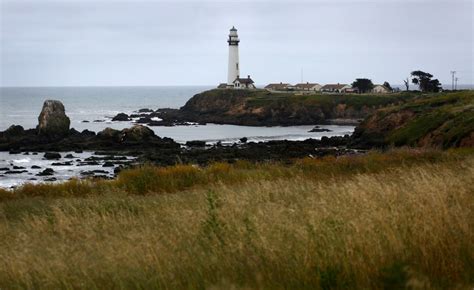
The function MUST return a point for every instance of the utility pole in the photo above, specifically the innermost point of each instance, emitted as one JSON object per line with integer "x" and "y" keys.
{"x": 301, "y": 75}
{"x": 453, "y": 72}
{"x": 456, "y": 83}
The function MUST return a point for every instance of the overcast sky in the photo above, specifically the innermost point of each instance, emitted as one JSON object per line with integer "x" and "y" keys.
{"x": 104, "y": 42}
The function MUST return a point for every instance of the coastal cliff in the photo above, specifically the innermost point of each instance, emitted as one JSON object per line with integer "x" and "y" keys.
{"x": 439, "y": 120}
{"x": 263, "y": 108}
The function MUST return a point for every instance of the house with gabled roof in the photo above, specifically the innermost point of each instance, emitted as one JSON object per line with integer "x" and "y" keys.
{"x": 244, "y": 83}
{"x": 308, "y": 87}
{"x": 380, "y": 89}
{"x": 335, "y": 88}
{"x": 278, "y": 86}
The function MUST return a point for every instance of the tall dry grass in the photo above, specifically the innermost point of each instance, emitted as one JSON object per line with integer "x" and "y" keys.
{"x": 408, "y": 225}
{"x": 152, "y": 180}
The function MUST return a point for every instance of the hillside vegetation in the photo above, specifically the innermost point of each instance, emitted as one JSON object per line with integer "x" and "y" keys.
{"x": 260, "y": 107}
{"x": 391, "y": 220}
{"x": 438, "y": 120}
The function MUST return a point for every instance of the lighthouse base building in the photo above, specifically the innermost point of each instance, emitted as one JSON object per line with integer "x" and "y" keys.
{"x": 234, "y": 81}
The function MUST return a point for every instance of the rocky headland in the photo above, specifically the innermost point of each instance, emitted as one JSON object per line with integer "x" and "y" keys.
{"x": 263, "y": 108}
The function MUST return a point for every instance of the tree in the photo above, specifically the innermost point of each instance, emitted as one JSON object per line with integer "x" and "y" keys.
{"x": 363, "y": 85}
{"x": 407, "y": 84}
{"x": 424, "y": 82}
{"x": 388, "y": 86}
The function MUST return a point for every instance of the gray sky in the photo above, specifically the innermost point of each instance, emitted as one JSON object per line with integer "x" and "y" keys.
{"x": 67, "y": 43}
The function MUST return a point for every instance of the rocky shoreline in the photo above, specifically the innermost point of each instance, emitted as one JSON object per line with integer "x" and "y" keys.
{"x": 114, "y": 149}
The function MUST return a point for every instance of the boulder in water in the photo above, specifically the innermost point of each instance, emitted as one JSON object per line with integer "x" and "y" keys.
{"x": 136, "y": 133}
{"x": 53, "y": 122}
{"x": 52, "y": 155}
{"x": 318, "y": 129}
{"x": 46, "y": 172}
{"x": 121, "y": 117}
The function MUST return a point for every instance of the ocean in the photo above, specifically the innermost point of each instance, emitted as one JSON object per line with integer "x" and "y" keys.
{"x": 21, "y": 106}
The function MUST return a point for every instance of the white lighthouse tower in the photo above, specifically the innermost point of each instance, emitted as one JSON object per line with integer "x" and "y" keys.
{"x": 233, "y": 71}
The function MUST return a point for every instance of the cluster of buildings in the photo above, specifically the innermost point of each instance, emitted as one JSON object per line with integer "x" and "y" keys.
{"x": 234, "y": 81}
{"x": 329, "y": 88}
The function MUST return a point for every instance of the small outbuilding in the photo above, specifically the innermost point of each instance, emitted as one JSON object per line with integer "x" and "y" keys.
{"x": 244, "y": 83}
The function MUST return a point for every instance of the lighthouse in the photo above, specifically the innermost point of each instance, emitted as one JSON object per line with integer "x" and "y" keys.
{"x": 233, "y": 70}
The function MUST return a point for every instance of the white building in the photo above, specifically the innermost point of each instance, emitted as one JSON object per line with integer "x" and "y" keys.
{"x": 233, "y": 69}
{"x": 335, "y": 88}
{"x": 308, "y": 87}
{"x": 278, "y": 86}
{"x": 244, "y": 83}
{"x": 381, "y": 89}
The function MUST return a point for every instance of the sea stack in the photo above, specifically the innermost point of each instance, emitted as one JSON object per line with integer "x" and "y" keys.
{"x": 53, "y": 122}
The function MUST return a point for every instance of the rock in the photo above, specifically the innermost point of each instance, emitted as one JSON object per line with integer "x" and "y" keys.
{"x": 94, "y": 172}
{"x": 108, "y": 133}
{"x": 46, "y": 172}
{"x": 14, "y": 131}
{"x": 4, "y": 168}
{"x": 121, "y": 117}
{"x": 67, "y": 163}
{"x": 196, "y": 143}
{"x": 87, "y": 163}
{"x": 18, "y": 167}
{"x": 244, "y": 140}
{"x": 144, "y": 120}
{"x": 145, "y": 111}
{"x": 50, "y": 179}
{"x": 53, "y": 122}
{"x": 35, "y": 167}
{"x": 69, "y": 156}
{"x": 108, "y": 164}
{"x": 74, "y": 132}
{"x": 87, "y": 133}
{"x": 99, "y": 121}
{"x": 85, "y": 121}
{"x": 15, "y": 171}
{"x": 52, "y": 155}
{"x": 318, "y": 129}
{"x": 137, "y": 133}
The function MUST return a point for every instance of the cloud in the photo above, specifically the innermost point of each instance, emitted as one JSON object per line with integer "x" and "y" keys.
{"x": 184, "y": 42}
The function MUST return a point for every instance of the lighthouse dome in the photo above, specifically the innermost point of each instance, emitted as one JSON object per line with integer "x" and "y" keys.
{"x": 233, "y": 32}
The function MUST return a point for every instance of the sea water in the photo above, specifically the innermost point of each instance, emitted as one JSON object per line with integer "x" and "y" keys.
{"x": 97, "y": 106}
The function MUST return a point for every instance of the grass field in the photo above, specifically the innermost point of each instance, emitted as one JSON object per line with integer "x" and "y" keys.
{"x": 391, "y": 220}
